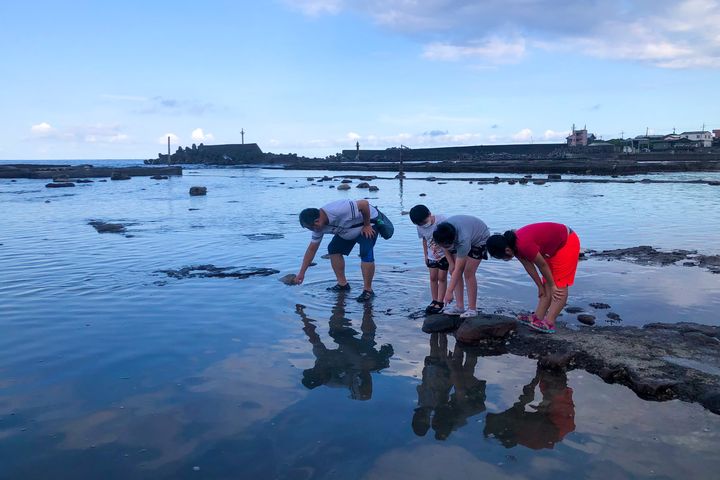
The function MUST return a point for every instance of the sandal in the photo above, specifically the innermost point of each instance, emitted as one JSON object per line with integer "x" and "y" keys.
{"x": 542, "y": 326}
{"x": 527, "y": 318}
{"x": 434, "y": 307}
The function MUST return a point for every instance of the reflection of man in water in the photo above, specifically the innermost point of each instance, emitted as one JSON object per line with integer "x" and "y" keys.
{"x": 443, "y": 372}
{"x": 542, "y": 428}
{"x": 351, "y": 363}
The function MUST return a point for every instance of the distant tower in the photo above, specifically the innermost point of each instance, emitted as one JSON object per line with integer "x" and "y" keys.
{"x": 242, "y": 134}
{"x": 357, "y": 149}
{"x": 168, "y": 149}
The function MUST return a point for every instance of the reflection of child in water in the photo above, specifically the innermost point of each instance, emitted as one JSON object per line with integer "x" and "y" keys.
{"x": 443, "y": 371}
{"x": 351, "y": 363}
{"x": 551, "y": 421}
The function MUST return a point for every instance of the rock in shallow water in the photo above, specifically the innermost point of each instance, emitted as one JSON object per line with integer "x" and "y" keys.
{"x": 60, "y": 185}
{"x": 485, "y": 327}
{"x": 289, "y": 279}
{"x": 198, "y": 191}
{"x": 586, "y": 319}
{"x": 211, "y": 271}
{"x": 573, "y": 309}
{"x": 103, "y": 227}
{"x": 441, "y": 323}
{"x": 343, "y": 186}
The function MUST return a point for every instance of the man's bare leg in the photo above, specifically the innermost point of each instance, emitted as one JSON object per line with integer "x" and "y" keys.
{"x": 368, "y": 272}
{"x": 338, "y": 265}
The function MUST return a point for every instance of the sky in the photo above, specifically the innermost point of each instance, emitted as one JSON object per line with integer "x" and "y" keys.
{"x": 112, "y": 80}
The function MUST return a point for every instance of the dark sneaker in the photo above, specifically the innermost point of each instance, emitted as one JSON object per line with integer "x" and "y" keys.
{"x": 365, "y": 296}
{"x": 339, "y": 288}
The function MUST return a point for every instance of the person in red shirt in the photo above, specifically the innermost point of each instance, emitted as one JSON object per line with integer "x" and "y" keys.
{"x": 553, "y": 250}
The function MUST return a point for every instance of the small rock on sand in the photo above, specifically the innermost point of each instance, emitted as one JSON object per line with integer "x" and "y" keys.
{"x": 198, "y": 191}
{"x": 343, "y": 186}
{"x": 362, "y": 185}
{"x": 586, "y": 319}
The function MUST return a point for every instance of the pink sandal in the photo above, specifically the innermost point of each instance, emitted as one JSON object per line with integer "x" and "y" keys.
{"x": 527, "y": 318}
{"x": 541, "y": 326}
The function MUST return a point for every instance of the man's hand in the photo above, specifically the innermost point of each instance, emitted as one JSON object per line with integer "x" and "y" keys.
{"x": 368, "y": 231}
{"x": 299, "y": 278}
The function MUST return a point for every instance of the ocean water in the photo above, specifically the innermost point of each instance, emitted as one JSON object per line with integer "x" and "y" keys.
{"x": 109, "y": 368}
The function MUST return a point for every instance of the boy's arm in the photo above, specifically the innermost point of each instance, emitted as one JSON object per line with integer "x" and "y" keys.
{"x": 455, "y": 277}
{"x": 425, "y": 250}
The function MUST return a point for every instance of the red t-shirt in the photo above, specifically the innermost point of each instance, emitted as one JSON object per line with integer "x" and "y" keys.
{"x": 545, "y": 238}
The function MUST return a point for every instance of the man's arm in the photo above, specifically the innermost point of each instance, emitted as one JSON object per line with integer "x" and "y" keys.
{"x": 307, "y": 260}
{"x": 364, "y": 208}
{"x": 455, "y": 276}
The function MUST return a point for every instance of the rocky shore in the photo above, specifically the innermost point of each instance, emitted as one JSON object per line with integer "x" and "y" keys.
{"x": 658, "y": 362}
{"x": 65, "y": 173}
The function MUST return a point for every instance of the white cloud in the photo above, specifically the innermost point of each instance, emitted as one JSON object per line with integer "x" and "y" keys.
{"x": 42, "y": 129}
{"x": 662, "y": 33}
{"x": 524, "y": 135}
{"x": 199, "y": 136}
{"x": 494, "y": 50}
{"x": 174, "y": 139}
{"x": 352, "y": 136}
{"x": 552, "y": 135}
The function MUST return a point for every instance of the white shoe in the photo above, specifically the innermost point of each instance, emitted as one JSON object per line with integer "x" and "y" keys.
{"x": 452, "y": 310}
{"x": 469, "y": 313}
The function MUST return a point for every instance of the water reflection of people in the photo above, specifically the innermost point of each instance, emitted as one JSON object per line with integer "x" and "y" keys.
{"x": 445, "y": 372}
{"x": 547, "y": 424}
{"x": 351, "y": 363}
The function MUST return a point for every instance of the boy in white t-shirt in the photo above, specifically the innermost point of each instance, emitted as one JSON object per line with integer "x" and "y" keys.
{"x": 435, "y": 258}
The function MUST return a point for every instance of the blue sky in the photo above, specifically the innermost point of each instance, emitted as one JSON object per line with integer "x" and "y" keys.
{"x": 94, "y": 80}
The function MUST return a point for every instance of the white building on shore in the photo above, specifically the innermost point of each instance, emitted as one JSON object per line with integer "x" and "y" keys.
{"x": 703, "y": 139}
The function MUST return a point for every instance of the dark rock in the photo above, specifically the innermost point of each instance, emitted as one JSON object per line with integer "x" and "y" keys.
{"x": 485, "y": 327}
{"x": 600, "y": 305}
{"x": 332, "y": 186}
{"x": 346, "y": 180}
{"x": 423, "y": 194}
{"x": 441, "y": 323}
{"x": 527, "y": 176}
{"x": 557, "y": 360}
{"x": 211, "y": 271}
{"x": 343, "y": 186}
{"x": 614, "y": 316}
{"x": 538, "y": 182}
{"x": 103, "y": 180}
{"x": 103, "y": 227}
{"x": 198, "y": 191}
{"x": 264, "y": 236}
{"x": 404, "y": 212}
{"x": 310, "y": 179}
{"x": 362, "y": 185}
{"x": 431, "y": 179}
{"x": 326, "y": 178}
{"x": 192, "y": 209}
{"x": 119, "y": 176}
{"x": 367, "y": 178}
{"x": 511, "y": 182}
{"x": 160, "y": 177}
{"x": 554, "y": 176}
{"x": 586, "y": 319}
{"x": 573, "y": 309}
{"x": 60, "y": 185}
{"x": 84, "y": 180}
{"x": 714, "y": 183}
{"x": 373, "y": 188}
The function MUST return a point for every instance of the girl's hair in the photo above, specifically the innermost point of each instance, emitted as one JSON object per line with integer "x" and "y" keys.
{"x": 444, "y": 234}
{"x": 497, "y": 244}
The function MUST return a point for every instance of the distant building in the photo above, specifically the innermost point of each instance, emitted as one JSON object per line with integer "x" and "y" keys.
{"x": 703, "y": 139}
{"x": 579, "y": 138}
{"x": 716, "y": 134}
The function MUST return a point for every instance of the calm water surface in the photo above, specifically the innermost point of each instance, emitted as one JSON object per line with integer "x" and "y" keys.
{"x": 109, "y": 369}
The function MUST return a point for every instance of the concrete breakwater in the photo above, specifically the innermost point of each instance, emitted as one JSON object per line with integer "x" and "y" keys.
{"x": 21, "y": 170}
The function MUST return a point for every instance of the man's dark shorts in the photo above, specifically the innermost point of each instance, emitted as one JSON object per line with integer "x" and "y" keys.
{"x": 478, "y": 253}
{"x": 344, "y": 247}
